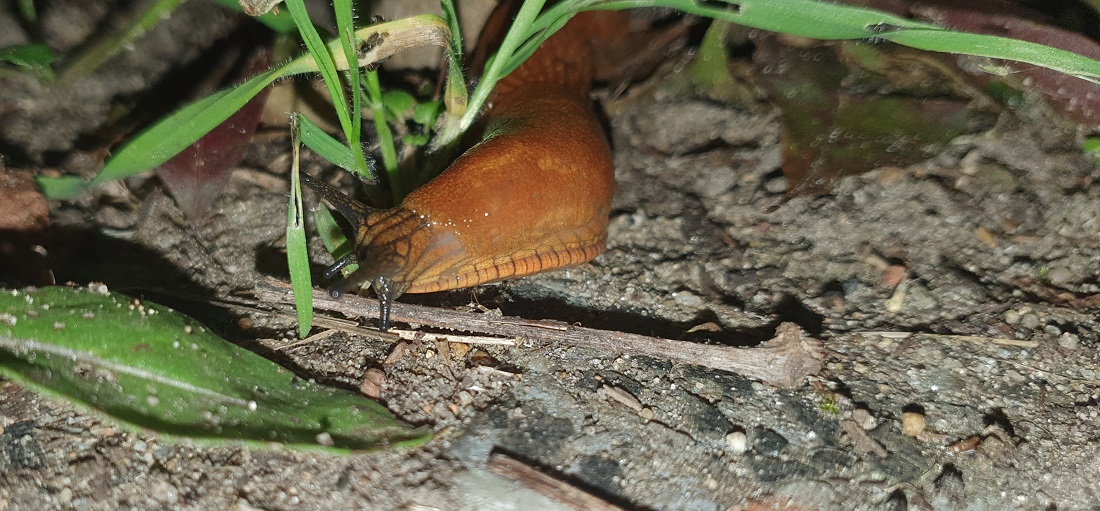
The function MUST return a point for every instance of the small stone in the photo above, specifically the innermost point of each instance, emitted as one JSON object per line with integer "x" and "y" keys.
{"x": 1012, "y": 317}
{"x": 893, "y": 275}
{"x": 164, "y": 492}
{"x": 776, "y": 186}
{"x": 913, "y": 423}
{"x": 1029, "y": 321}
{"x": 647, "y": 413}
{"x": 1068, "y": 340}
{"x": 687, "y": 299}
{"x": 371, "y": 386}
{"x": 1060, "y": 275}
{"x": 863, "y": 417}
{"x": 737, "y": 443}
{"x": 992, "y": 445}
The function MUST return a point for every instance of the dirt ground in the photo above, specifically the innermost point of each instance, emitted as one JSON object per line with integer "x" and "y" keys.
{"x": 955, "y": 299}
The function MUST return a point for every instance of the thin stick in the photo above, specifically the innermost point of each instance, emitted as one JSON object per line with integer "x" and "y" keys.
{"x": 784, "y": 361}
{"x": 555, "y": 489}
{"x": 947, "y": 337}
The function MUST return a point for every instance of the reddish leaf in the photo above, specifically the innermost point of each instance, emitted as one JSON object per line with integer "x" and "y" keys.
{"x": 851, "y": 107}
{"x": 1076, "y": 97}
{"x": 197, "y": 175}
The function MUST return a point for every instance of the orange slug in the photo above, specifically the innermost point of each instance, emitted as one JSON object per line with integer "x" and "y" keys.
{"x": 532, "y": 195}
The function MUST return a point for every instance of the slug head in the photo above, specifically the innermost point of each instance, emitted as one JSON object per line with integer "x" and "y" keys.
{"x": 356, "y": 213}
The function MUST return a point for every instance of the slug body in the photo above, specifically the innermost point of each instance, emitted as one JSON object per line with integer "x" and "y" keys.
{"x": 532, "y": 195}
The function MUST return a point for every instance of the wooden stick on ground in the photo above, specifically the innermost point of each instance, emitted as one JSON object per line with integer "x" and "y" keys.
{"x": 783, "y": 361}
{"x": 551, "y": 487}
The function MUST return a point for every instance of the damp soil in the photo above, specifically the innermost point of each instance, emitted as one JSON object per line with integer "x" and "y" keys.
{"x": 955, "y": 298}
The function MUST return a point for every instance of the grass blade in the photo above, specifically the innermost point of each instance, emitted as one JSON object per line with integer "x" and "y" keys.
{"x": 297, "y": 251}
{"x": 324, "y": 145}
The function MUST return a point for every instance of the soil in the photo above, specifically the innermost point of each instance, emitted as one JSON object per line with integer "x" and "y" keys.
{"x": 956, "y": 299}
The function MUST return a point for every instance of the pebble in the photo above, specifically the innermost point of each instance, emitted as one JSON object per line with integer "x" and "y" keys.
{"x": 687, "y": 299}
{"x": 863, "y": 417}
{"x": 1060, "y": 275}
{"x": 1068, "y": 340}
{"x": 913, "y": 423}
{"x": 1029, "y": 321}
{"x": 164, "y": 492}
{"x": 737, "y": 443}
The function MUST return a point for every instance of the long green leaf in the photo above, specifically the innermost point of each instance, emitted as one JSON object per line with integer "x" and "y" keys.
{"x": 998, "y": 48}
{"x": 175, "y": 132}
{"x": 297, "y": 251}
{"x": 323, "y": 57}
{"x": 324, "y": 145}
{"x": 152, "y": 368}
{"x": 806, "y": 18}
{"x": 167, "y": 138}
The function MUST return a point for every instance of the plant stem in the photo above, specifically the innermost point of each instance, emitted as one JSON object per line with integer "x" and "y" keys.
{"x": 385, "y": 135}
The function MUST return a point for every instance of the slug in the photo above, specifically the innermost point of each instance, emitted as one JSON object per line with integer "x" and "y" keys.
{"x": 533, "y": 194}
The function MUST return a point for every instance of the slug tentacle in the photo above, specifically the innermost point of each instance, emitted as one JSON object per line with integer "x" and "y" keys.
{"x": 332, "y": 271}
{"x": 353, "y": 211}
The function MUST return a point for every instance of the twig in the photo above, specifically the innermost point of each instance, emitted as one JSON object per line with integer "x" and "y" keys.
{"x": 555, "y": 489}
{"x": 946, "y": 337}
{"x": 466, "y": 339}
{"x": 784, "y": 361}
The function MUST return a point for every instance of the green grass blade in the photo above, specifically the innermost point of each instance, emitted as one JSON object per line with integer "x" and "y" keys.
{"x": 454, "y": 94}
{"x": 151, "y": 368}
{"x": 806, "y": 18}
{"x": 345, "y": 27}
{"x": 61, "y": 187}
{"x": 998, "y": 48}
{"x": 172, "y": 134}
{"x": 385, "y": 135}
{"x": 323, "y": 58}
{"x": 516, "y": 36}
{"x": 37, "y": 57}
{"x": 823, "y": 20}
{"x": 177, "y": 131}
{"x": 167, "y": 138}
{"x": 297, "y": 250}
{"x": 324, "y": 145}
{"x": 333, "y": 239}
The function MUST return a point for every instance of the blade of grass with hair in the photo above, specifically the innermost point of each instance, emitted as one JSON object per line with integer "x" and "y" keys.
{"x": 297, "y": 250}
